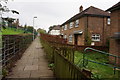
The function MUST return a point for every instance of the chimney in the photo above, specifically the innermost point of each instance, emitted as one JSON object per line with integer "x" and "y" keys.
{"x": 81, "y": 9}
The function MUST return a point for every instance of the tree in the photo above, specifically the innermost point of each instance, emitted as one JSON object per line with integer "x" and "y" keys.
{"x": 30, "y": 29}
{"x": 51, "y": 27}
{"x": 41, "y": 30}
{"x": 4, "y": 8}
{"x": 13, "y": 11}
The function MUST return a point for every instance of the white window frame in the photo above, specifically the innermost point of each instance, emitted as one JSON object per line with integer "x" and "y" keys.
{"x": 95, "y": 37}
{"x": 70, "y": 38}
{"x": 65, "y": 27}
{"x": 108, "y": 21}
{"x": 71, "y": 25}
{"x": 77, "y": 23}
{"x": 65, "y": 36}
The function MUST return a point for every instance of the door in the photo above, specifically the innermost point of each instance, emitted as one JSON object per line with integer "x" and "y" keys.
{"x": 76, "y": 40}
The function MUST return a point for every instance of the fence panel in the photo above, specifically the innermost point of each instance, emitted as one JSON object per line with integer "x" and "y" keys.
{"x": 63, "y": 58}
{"x": 65, "y": 69}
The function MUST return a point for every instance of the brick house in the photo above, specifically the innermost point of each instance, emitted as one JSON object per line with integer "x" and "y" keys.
{"x": 88, "y": 27}
{"x": 115, "y": 31}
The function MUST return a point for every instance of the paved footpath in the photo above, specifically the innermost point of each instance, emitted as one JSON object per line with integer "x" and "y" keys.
{"x": 32, "y": 64}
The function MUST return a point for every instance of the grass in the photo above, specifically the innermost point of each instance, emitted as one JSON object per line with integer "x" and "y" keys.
{"x": 98, "y": 70}
{"x": 11, "y": 31}
{"x": 0, "y": 40}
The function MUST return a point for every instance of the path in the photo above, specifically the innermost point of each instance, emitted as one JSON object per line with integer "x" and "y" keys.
{"x": 33, "y": 64}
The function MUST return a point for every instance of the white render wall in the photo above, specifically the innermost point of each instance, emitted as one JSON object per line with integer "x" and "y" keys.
{"x": 55, "y": 32}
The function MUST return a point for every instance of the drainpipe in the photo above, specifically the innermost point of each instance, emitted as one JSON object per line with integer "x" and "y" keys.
{"x": 103, "y": 33}
{"x": 86, "y": 32}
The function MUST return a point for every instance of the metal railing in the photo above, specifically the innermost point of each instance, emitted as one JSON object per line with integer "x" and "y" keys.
{"x": 12, "y": 48}
{"x": 85, "y": 61}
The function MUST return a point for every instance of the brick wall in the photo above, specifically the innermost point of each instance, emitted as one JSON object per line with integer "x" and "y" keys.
{"x": 70, "y": 31}
{"x": 115, "y": 27}
{"x": 96, "y": 25}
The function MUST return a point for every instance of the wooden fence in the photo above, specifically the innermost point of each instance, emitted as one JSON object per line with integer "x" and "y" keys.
{"x": 12, "y": 48}
{"x": 63, "y": 58}
{"x": 66, "y": 69}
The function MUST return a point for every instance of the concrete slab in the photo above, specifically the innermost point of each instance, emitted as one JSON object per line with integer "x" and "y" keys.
{"x": 32, "y": 65}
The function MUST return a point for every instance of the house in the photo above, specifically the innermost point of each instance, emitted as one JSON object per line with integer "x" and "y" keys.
{"x": 88, "y": 27}
{"x": 115, "y": 32}
{"x": 55, "y": 30}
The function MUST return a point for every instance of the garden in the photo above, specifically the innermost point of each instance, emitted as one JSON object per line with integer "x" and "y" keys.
{"x": 98, "y": 70}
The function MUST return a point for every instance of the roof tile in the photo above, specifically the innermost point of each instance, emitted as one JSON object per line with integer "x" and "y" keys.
{"x": 91, "y": 11}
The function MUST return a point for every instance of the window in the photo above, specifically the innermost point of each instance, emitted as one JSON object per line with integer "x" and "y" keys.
{"x": 108, "y": 21}
{"x": 70, "y": 38}
{"x": 95, "y": 37}
{"x": 65, "y": 27}
{"x": 65, "y": 37}
{"x": 76, "y": 23}
{"x": 71, "y": 25}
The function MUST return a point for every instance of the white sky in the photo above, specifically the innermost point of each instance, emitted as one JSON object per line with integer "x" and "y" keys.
{"x": 51, "y": 12}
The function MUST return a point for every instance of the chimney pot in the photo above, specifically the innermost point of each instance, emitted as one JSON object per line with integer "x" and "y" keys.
{"x": 81, "y": 8}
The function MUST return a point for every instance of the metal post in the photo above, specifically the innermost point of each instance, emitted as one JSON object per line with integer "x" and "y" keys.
{"x": 33, "y": 26}
{"x": 33, "y": 29}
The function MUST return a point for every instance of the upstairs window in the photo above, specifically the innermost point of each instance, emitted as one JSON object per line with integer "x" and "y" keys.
{"x": 65, "y": 27}
{"x": 108, "y": 21}
{"x": 70, "y": 38}
{"x": 95, "y": 37}
{"x": 76, "y": 23}
{"x": 71, "y": 25}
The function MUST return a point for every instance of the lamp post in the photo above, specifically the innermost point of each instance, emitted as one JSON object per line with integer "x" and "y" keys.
{"x": 33, "y": 26}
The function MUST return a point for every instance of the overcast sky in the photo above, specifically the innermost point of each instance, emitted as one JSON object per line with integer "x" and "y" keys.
{"x": 51, "y": 12}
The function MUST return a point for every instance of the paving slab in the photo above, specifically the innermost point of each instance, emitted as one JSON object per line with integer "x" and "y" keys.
{"x": 32, "y": 65}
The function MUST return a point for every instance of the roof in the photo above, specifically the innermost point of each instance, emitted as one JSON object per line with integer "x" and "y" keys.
{"x": 56, "y": 27}
{"x": 79, "y": 32}
{"x": 91, "y": 11}
{"x": 115, "y": 7}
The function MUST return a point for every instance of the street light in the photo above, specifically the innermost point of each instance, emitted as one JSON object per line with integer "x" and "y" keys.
{"x": 33, "y": 26}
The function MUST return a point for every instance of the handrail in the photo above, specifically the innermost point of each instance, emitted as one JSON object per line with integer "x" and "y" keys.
{"x": 88, "y": 48}
{"x": 100, "y": 52}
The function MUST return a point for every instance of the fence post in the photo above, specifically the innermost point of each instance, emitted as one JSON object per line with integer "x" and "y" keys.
{"x": 4, "y": 52}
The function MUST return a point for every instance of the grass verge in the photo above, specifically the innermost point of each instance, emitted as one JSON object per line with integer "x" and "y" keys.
{"x": 11, "y": 31}
{"x": 99, "y": 71}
